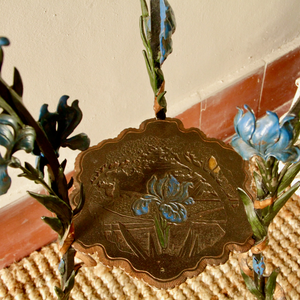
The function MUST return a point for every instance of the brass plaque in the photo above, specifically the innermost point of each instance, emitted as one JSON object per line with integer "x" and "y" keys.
{"x": 161, "y": 202}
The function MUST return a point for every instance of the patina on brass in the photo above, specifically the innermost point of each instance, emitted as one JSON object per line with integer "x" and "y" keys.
{"x": 161, "y": 202}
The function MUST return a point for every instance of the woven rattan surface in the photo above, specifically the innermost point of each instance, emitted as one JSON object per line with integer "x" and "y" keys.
{"x": 34, "y": 277}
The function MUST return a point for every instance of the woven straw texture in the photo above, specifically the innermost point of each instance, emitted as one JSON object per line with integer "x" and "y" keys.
{"x": 34, "y": 277}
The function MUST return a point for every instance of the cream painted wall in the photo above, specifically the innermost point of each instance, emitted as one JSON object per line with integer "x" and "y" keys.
{"x": 91, "y": 51}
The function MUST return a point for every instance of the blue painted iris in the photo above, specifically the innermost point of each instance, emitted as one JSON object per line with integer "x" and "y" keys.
{"x": 167, "y": 28}
{"x": 58, "y": 126}
{"x": 170, "y": 197}
{"x": 265, "y": 137}
{"x": 13, "y": 138}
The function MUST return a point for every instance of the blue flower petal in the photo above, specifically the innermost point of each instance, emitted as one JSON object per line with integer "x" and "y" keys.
{"x": 173, "y": 187}
{"x": 4, "y": 41}
{"x": 183, "y": 192}
{"x": 167, "y": 28}
{"x": 282, "y": 143}
{"x": 151, "y": 185}
{"x": 245, "y": 124}
{"x": 267, "y": 132}
{"x": 189, "y": 201}
{"x": 242, "y": 148}
{"x": 5, "y": 180}
{"x": 160, "y": 187}
{"x": 141, "y": 206}
{"x": 173, "y": 212}
{"x": 291, "y": 154}
{"x": 258, "y": 265}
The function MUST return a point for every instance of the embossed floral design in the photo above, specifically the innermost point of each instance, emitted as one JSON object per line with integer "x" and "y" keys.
{"x": 170, "y": 198}
{"x": 266, "y": 137}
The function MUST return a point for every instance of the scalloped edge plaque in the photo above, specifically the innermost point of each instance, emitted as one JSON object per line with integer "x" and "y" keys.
{"x": 161, "y": 202}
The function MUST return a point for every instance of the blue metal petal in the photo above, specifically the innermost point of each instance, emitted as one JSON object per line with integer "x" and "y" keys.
{"x": 5, "y": 180}
{"x": 167, "y": 28}
{"x": 245, "y": 124}
{"x": 267, "y": 132}
{"x": 291, "y": 154}
{"x": 283, "y": 142}
{"x": 141, "y": 206}
{"x": 242, "y": 148}
{"x": 189, "y": 201}
{"x": 160, "y": 188}
{"x": 286, "y": 119}
{"x": 151, "y": 185}
{"x": 173, "y": 212}
{"x": 4, "y": 41}
{"x": 183, "y": 193}
{"x": 173, "y": 187}
{"x": 258, "y": 265}
{"x": 237, "y": 118}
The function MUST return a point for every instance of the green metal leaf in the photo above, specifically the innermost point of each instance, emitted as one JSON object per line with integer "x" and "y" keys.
{"x": 31, "y": 173}
{"x": 259, "y": 185}
{"x": 12, "y": 137}
{"x": 258, "y": 228}
{"x": 262, "y": 169}
{"x": 78, "y": 142}
{"x": 59, "y": 293}
{"x": 288, "y": 177}
{"x": 5, "y": 180}
{"x": 159, "y": 232}
{"x": 8, "y": 109}
{"x": 251, "y": 286}
{"x": 279, "y": 203}
{"x": 55, "y": 225}
{"x": 18, "y": 84}
{"x": 150, "y": 71}
{"x": 63, "y": 165}
{"x": 3, "y": 42}
{"x": 55, "y": 205}
{"x": 69, "y": 286}
{"x": 271, "y": 284}
{"x": 145, "y": 11}
{"x": 25, "y": 139}
{"x": 162, "y": 100}
{"x": 81, "y": 201}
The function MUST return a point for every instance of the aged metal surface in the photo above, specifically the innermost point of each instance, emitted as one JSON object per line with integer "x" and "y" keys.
{"x": 161, "y": 202}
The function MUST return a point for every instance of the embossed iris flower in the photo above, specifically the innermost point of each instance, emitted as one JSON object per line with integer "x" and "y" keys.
{"x": 169, "y": 195}
{"x": 265, "y": 137}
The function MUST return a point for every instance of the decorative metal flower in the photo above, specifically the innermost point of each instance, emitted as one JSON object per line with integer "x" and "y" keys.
{"x": 3, "y": 42}
{"x": 59, "y": 125}
{"x": 170, "y": 197}
{"x": 265, "y": 137}
{"x": 167, "y": 28}
{"x": 13, "y": 137}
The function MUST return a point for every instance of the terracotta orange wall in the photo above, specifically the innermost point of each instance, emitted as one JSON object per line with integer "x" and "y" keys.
{"x": 268, "y": 88}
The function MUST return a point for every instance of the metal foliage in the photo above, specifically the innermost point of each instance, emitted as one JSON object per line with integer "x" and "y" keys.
{"x": 19, "y": 131}
{"x": 269, "y": 141}
{"x": 156, "y": 32}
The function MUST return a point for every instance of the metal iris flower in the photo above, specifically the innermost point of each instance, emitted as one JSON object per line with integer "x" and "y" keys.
{"x": 13, "y": 138}
{"x": 265, "y": 137}
{"x": 59, "y": 125}
{"x": 167, "y": 28}
{"x": 170, "y": 197}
